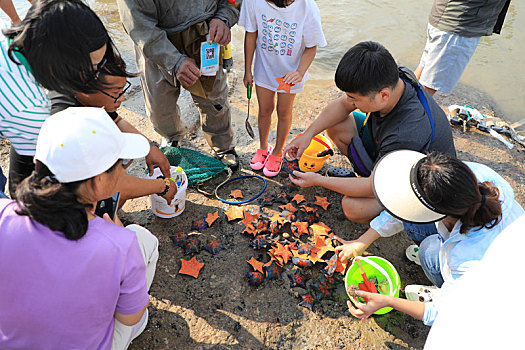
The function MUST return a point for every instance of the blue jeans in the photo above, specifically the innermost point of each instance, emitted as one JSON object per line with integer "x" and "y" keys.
{"x": 3, "y": 180}
{"x": 429, "y": 242}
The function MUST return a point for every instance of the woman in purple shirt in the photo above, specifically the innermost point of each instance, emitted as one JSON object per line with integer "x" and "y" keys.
{"x": 70, "y": 279}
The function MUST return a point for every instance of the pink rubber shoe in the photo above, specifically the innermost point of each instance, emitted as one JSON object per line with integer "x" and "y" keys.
{"x": 260, "y": 158}
{"x": 273, "y": 166}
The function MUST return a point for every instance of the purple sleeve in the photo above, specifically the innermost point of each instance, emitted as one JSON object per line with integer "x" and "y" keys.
{"x": 133, "y": 293}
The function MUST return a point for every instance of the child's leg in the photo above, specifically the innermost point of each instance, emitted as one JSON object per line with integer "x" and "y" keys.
{"x": 284, "y": 121}
{"x": 265, "y": 98}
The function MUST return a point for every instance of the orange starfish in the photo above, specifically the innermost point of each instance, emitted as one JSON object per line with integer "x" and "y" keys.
{"x": 320, "y": 242}
{"x": 250, "y": 229}
{"x": 308, "y": 208}
{"x": 288, "y": 207}
{"x": 249, "y": 218}
{"x": 283, "y": 252}
{"x": 283, "y": 86}
{"x": 279, "y": 219}
{"x": 323, "y": 225}
{"x": 234, "y": 213}
{"x": 277, "y": 259}
{"x": 210, "y": 219}
{"x": 257, "y": 265}
{"x": 322, "y": 202}
{"x": 319, "y": 230}
{"x": 191, "y": 267}
{"x": 236, "y": 194}
{"x": 301, "y": 228}
{"x": 298, "y": 198}
{"x": 341, "y": 267}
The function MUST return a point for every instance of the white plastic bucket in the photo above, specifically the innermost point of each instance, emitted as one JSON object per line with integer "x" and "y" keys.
{"x": 159, "y": 206}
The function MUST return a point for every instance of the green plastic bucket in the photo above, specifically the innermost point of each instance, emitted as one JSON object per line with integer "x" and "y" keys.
{"x": 376, "y": 266}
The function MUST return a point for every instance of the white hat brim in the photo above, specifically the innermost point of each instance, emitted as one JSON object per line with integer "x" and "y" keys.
{"x": 393, "y": 190}
{"x": 135, "y": 146}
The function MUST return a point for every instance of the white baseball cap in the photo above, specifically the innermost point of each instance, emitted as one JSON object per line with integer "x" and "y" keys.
{"x": 79, "y": 143}
{"x": 395, "y": 185}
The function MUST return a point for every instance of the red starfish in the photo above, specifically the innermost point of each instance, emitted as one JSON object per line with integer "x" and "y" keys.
{"x": 191, "y": 267}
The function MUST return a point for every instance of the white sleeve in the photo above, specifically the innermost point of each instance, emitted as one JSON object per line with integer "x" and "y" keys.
{"x": 386, "y": 225}
{"x": 430, "y": 314}
{"x": 313, "y": 31}
{"x": 248, "y": 17}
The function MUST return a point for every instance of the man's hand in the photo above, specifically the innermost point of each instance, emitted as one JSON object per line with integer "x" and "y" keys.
{"x": 188, "y": 72}
{"x": 305, "y": 179}
{"x": 296, "y": 148}
{"x": 171, "y": 192}
{"x": 219, "y": 32}
{"x": 156, "y": 157}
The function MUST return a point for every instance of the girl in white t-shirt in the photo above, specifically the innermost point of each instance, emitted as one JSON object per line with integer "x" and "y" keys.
{"x": 284, "y": 34}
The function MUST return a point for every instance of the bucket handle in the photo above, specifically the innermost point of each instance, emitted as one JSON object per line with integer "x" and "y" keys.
{"x": 321, "y": 142}
{"x": 381, "y": 270}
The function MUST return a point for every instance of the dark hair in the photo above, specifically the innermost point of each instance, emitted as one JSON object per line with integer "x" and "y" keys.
{"x": 56, "y": 37}
{"x": 453, "y": 189}
{"x": 54, "y": 204}
{"x": 366, "y": 68}
{"x": 116, "y": 67}
{"x": 281, "y": 3}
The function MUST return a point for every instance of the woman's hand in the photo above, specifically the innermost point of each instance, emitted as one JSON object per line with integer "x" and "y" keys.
{"x": 375, "y": 302}
{"x": 171, "y": 192}
{"x": 116, "y": 220}
{"x": 156, "y": 157}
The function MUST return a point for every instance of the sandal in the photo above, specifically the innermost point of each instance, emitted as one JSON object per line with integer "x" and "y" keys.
{"x": 337, "y": 171}
{"x": 260, "y": 158}
{"x": 424, "y": 294}
{"x": 273, "y": 166}
{"x": 412, "y": 253}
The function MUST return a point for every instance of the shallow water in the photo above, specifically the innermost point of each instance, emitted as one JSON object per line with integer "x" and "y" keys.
{"x": 495, "y": 68}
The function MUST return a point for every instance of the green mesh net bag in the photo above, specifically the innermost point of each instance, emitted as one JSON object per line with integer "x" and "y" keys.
{"x": 197, "y": 166}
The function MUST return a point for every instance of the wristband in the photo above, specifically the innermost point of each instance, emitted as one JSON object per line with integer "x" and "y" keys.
{"x": 167, "y": 188}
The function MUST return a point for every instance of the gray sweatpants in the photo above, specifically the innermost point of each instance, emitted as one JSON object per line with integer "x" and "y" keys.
{"x": 161, "y": 94}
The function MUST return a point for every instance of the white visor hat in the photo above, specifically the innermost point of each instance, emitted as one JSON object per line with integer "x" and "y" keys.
{"x": 79, "y": 143}
{"x": 394, "y": 181}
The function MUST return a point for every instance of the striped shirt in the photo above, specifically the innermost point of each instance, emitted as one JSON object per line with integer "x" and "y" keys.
{"x": 24, "y": 105}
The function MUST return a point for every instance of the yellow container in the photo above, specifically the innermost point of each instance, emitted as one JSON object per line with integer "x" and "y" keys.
{"x": 309, "y": 161}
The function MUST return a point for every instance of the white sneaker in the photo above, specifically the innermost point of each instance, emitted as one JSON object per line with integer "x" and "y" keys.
{"x": 421, "y": 293}
{"x": 412, "y": 253}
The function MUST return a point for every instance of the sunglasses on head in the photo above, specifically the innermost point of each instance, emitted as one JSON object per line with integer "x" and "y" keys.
{"x": 100, "y": 66}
